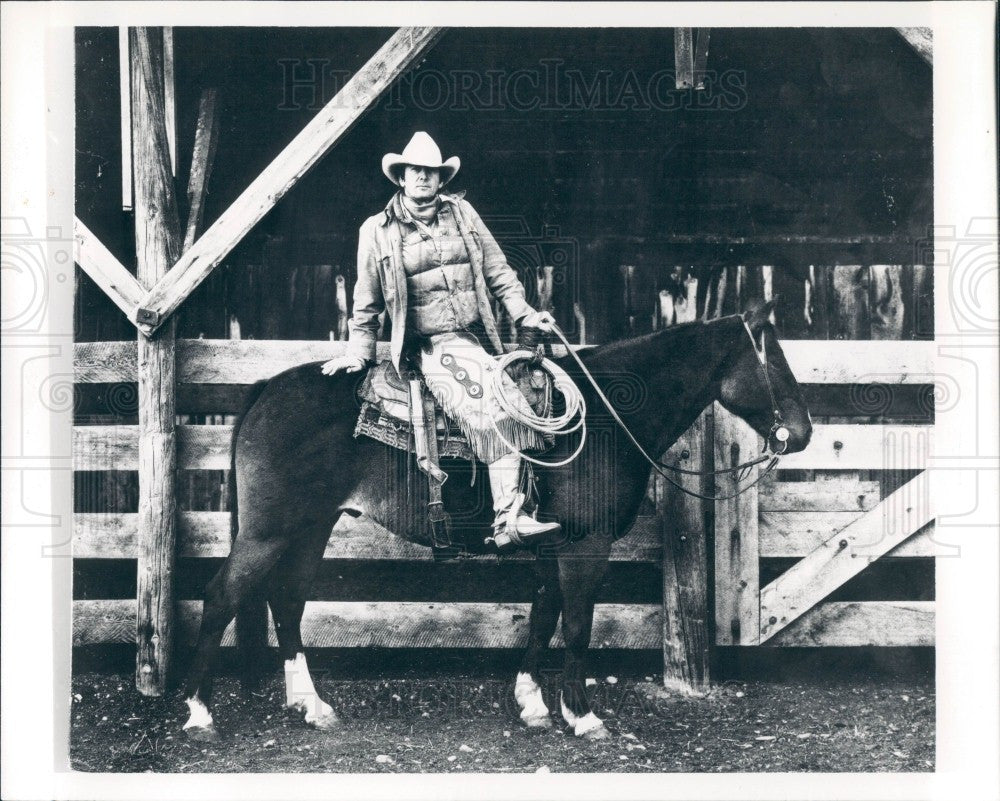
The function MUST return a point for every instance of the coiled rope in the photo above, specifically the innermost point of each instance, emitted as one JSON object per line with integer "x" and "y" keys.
{"x": 572, "y": 419}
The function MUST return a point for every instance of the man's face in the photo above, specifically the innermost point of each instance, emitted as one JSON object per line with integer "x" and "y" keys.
{"x": 420, "y": 183}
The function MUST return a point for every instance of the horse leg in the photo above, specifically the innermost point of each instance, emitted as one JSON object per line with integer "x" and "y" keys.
{"x": 244, "y": 570}
{"x": 291, "y": 583}
{"x": 580, "y": 578}
{"x": 544, "y": 615}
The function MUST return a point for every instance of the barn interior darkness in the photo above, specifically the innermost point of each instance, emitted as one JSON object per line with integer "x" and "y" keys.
{"x": 806, "y": 147}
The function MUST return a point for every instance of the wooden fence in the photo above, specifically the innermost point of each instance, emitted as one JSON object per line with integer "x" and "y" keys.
{"x": 782, "y": 519}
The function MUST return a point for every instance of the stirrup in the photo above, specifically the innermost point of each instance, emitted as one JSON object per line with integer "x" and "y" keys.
{"x": 507, "y": 536}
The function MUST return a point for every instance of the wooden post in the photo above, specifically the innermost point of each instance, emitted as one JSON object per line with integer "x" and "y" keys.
{"x": 701, "y": 57}
{"x": 206, "y": 140}
{"x": 581, "y": 322}
{"x": 737, "y": 551}
{"x": 342, "y": 318}
{"x": 686, "y": 304}
{"x": 685, "y": 567}
{"x": 125, "y": 96}
{"x": 887, "y": 302}
{"x": 169, "y": 97}
{"x": 850, "y": 313}
{"x": 684, "y": 58}
{"x": 628, "y": 295}
{"x": 157, "y": 240}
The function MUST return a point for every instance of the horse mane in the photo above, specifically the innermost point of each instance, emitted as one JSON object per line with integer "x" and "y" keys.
{"x": 672, "y": 335}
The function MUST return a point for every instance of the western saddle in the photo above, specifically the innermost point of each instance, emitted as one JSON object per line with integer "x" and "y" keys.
{"x": 402, "y": 413}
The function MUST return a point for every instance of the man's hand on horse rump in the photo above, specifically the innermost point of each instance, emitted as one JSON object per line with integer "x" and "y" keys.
{"x": 350, "y": 364}
{"x": 541, "y": 320}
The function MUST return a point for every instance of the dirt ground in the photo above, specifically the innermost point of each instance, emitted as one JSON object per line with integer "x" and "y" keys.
{"x": 456, "y": 724}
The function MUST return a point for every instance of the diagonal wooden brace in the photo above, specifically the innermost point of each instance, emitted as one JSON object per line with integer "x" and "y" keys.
{"x": 402, "y": 51}
{"x": 106, "y": 271}
{"x": 844, "y": 555}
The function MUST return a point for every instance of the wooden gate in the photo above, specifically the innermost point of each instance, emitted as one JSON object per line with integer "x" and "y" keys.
{"x": 834, "y": 522}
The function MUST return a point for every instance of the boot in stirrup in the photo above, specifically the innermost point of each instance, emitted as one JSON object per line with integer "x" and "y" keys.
{"x": 512, "y": 528}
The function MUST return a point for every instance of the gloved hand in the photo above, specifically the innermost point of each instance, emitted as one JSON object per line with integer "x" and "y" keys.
{"x": 541, "y": 320}
{"x": 350, "y": 364}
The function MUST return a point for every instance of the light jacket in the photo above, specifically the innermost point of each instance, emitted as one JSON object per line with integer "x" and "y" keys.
{"x": 381, "y": 282}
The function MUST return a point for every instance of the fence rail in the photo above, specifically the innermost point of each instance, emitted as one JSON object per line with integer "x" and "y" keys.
{"x": 330, "y": 624}
{"x": 780, "y": 519}
{"x": 235, "y": 361}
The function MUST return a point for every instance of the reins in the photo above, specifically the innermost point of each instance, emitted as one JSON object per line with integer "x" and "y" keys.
{"x": 778, "y": 430}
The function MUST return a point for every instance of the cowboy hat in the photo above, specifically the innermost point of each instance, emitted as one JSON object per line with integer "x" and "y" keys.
{"x": 421, "y": 151}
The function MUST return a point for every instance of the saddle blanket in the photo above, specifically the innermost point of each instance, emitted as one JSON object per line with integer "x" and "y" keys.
{"x": 375, "y": 423}
{"x": 385, "y": 416}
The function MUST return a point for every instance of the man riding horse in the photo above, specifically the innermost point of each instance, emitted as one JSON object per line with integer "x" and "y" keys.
{"x": 431, "y": 261}
{"x": 297, "y": 466}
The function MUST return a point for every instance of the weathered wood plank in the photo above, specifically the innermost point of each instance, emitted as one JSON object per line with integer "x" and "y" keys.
{"x": 117, "y": 447}
{"x": 921, "y": 40}
{"x": 347, "y": 624}
{"x": 880, "y": 623}
{"x": 887, "y": 302}
{"x": 206, "y": 140}
{"x": 851, "y": 317}
{"x": 737, "y": 567}
{"x": 797, "y": 534}
{"x": 125, "y": 104}
{"x": 403, "y": 49}
{"x": 700, "y": 66}
{"x": 844, "y": 555}
{"x": 808, "y": 496}
{"x": 862, "y": 447}
{"x": 206, "y": 534}
{"x": 104, "y": 362}
{"x": 203, "y": 447}
{"x": 683, "y": 58}
{"x": 157, "y": 241}
{"x": 170, "y": 97}
{"x": 685, "y": 566}
{"x": 225, "y": 361}
{"x": 105, "y": 270}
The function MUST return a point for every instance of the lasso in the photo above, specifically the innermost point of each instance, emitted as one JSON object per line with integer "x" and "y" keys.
{"x": 557, "y": 425}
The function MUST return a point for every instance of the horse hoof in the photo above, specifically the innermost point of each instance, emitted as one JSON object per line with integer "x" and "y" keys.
{"x": 202, "y": 734}
{"x": 537, "y": 722}
{"x": 597, "y": 733}
{"x": 324, "y": 722}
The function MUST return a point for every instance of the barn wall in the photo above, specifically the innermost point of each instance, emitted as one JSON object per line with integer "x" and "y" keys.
{"x": 807, "y": 147}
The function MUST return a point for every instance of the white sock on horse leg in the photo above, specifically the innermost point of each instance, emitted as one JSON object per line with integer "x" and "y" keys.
{"x": 528, "y": 695}
{"x": 581, "y": 724}
{"x": 299, "y": 690}
{"x": 198, "y": 714}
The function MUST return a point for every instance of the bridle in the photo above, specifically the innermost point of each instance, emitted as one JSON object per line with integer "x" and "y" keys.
{"x": 779, "y": 432}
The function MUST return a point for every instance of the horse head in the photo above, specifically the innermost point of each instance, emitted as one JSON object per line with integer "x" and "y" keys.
{"x": 744, "y": 391}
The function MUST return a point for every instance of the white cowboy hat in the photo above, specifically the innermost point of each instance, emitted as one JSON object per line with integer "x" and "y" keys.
{"x": 421, "y": 151}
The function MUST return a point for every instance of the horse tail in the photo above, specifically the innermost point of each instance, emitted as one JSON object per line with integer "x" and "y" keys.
{"x": 251, "y": 616}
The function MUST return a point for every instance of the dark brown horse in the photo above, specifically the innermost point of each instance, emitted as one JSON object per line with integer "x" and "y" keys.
{"x": 297, "y": 468}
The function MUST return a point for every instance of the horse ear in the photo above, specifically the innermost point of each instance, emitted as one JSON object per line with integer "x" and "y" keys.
{"x": 757, "y": 313}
